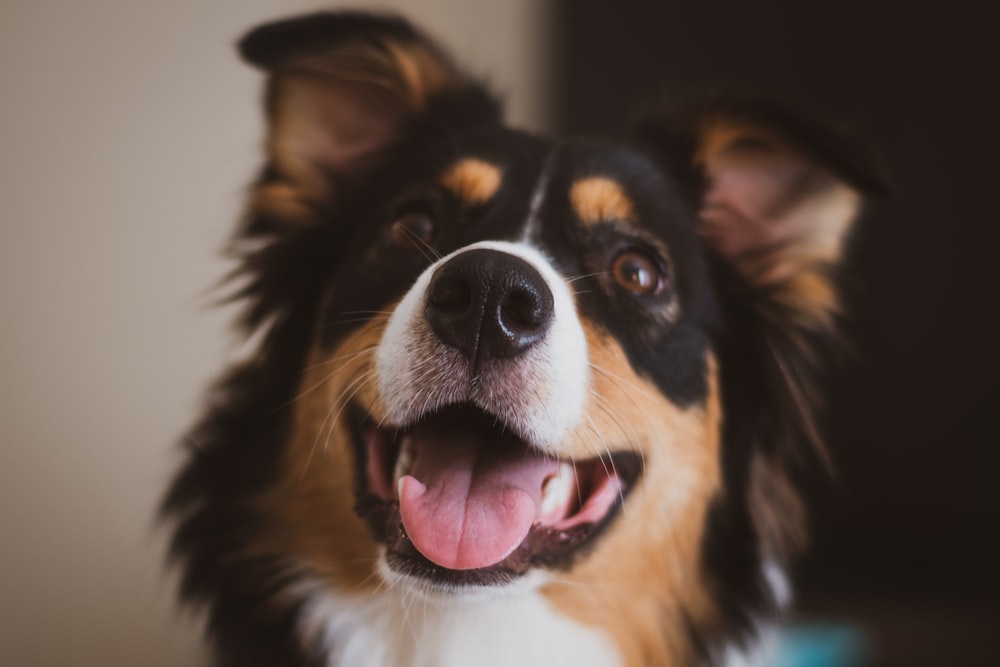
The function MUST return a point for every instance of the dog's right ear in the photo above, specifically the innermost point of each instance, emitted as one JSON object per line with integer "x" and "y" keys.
{"x": 341, "y": 86}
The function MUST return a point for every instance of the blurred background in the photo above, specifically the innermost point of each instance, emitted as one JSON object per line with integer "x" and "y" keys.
{"x": 128, "y": 130}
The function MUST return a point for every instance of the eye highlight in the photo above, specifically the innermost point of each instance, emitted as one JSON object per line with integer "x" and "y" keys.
{"x": 411, "y": 230}
{"x": 637, "y": 272}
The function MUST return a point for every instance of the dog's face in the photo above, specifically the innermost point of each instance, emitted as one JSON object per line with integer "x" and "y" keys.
{"x": 525, "y": 351}
{"x": 508, "y": 356}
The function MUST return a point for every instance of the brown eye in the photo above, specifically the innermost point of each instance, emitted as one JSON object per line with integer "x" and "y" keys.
{"x": 411, "y": 230}
{"x": 637, "y": 272}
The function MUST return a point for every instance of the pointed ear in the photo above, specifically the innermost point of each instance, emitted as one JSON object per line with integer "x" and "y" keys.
{"x": 776, "y": 195}
{"x": 341, "y": 86}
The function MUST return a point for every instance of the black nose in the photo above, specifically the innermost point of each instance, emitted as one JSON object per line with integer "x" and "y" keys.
{"x": 488, "y": 304}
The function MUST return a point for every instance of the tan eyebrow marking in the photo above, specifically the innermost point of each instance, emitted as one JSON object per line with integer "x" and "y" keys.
{"x": 600, "y": 199}
{"x": 473, "y": 179}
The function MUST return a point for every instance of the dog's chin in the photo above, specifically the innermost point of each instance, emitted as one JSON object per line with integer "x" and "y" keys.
{"x": 461, "y": 504}
{"x": 400, "y": 576}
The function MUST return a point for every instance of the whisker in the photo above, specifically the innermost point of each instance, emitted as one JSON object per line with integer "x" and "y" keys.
{"x": 615, "y": 416}
{"x": 407, "y": 605}
{"x": 573, "y": 279}
{"x": 362, "y": 379}
{"x": 327, "y": 377}
{"x": 435, "y": 255}
{"x": 371, "y": 575}
{"x": 355, "y": 320}
{"x": 590, "y": 585}
{"x": 365, "y": 312}
{"x": 367, "y": 378}
{"x": 608, "y": 406}
{"x": 332, "y": 360}
{"x": 621, "y": 493}
{"x": 608, "y": 374}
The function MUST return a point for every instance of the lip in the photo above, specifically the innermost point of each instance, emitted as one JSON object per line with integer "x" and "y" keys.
{"x": 568, "y": 528}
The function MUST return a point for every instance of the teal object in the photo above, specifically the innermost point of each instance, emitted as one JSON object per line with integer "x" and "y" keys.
{"x": 823, "y": 645}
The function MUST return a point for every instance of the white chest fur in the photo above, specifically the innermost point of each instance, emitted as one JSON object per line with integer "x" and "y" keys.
{"x": 399, "y": 629}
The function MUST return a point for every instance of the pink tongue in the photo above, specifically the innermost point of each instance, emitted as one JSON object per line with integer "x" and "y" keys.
{"x": 468, "y": 504}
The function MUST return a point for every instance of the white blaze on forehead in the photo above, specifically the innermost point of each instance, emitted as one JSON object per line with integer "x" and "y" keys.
{"x": 537, "y": 198}
{"x": 540, "y": 393}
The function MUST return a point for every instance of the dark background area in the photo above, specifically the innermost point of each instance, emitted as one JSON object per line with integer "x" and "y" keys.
{"x": 905, "y": 535}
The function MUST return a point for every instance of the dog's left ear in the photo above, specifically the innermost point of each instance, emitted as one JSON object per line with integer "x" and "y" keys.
{"x": 776, "y": 195}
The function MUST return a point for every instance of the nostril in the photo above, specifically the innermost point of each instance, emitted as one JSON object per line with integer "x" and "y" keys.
{"x": 454, "y": 306}
{"x": 452, "y": 297}
{"x": 522, "y": 309}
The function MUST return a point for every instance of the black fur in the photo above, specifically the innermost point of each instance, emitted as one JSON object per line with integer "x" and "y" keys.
{"x": 285, "y": 271}
{"x": 282, "y": 42}
{"x": 756, "y": 337}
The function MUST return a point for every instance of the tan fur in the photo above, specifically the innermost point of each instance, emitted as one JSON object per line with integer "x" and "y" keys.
{"x": 778, "y": 216}
{"x": 313, "y": 506}
{"x": 336, "y": 108}
{"x": 475, "y": 181}
{"x": 600, "y": 199}
{"x": 424, "y": 71}
{"x": 663, "y": 518}
{"x": 282, "y": 201}
{"x": 777, "y": 510}
{"x": 810, "y": 294}
{"x": 611, "y": 587}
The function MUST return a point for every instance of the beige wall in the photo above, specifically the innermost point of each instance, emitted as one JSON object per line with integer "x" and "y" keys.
{"x": 127, "y": 131}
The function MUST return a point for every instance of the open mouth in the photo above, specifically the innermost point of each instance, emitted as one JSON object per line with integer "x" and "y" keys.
{"x": 459, "y": 499}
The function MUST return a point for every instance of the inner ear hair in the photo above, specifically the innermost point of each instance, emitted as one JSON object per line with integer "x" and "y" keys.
{"x": 767, "y": 206}
{"x": 777, "y": 194}
{"x": 341, "y": 86}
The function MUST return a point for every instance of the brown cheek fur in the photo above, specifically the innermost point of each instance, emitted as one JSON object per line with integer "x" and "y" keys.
{"x": 311, "y": 511}
{"x": 654, "y": 544}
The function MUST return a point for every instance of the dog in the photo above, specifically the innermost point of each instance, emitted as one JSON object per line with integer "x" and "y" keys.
{"x": 515, "y": 401}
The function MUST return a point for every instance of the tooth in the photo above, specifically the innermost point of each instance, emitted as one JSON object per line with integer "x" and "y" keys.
{"x": 404, "y": 462}
{"x": 557, "y": 490}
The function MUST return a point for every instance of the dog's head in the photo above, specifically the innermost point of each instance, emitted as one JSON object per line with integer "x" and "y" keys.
{"x": 496, "y": 363}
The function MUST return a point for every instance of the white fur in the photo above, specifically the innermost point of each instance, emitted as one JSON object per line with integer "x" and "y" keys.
{"x": 777, "y": 582}
{"x": 762, "y": 650}
{"x": 399, "y": 626}
{"x": 537, "y": 197}
{"x": 540, "y": 394}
